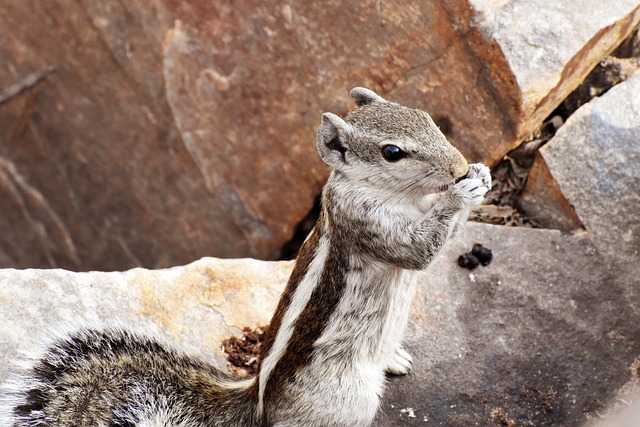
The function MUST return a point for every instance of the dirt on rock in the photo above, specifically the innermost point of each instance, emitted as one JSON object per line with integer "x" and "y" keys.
{"x": 243, "y": 352}
{"x": 501, "y": 418}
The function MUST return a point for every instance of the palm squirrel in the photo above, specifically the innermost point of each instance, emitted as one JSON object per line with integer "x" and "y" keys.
{"x": 396, "y": 192}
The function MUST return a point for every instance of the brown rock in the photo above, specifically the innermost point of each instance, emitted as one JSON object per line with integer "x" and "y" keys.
{"x": 543, "y": 202}
{"x": 174, "y": 130}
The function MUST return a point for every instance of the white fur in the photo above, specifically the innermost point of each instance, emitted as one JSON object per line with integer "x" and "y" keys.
{"x": 344, "y": 382}
{"x": 299, "y": 301}
{"x": 400, "y": 363}
{"x": 345, "y": 379}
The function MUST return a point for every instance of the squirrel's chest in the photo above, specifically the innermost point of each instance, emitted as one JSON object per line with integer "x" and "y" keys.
{"x": 369, "y": 318}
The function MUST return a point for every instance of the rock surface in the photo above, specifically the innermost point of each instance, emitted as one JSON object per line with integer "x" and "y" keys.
{"x": 195, "y": 306}
{"x": 170, "y": 131}
{"x": 600, "y": 146}
{"x": 544, "y": 334}
{"x": 543, "y": 202}
{"x": 595, "y": 159}
{"x": 550, "y": 47}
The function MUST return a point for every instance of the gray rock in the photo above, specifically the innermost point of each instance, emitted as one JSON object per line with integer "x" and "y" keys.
{"x": 595, "y": 160}
{"x": 543, "y": 336}
{"x": 552, "y": 46}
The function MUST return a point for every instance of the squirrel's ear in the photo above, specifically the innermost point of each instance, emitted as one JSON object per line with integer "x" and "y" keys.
{"x": 364, "y": 96}
{"x": 332, "y": 137}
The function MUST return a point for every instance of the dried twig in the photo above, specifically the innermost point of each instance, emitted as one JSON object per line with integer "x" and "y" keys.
{"x": 28, "y": 82}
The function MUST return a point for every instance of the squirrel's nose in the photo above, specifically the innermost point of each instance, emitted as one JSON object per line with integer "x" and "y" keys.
{"x": 460, "y": 168}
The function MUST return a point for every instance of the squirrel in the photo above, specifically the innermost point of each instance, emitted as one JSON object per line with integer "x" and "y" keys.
{"x": 397, "y": 191}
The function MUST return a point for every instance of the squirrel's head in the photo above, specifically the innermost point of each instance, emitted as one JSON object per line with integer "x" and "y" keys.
{"x": 386, "y": 145}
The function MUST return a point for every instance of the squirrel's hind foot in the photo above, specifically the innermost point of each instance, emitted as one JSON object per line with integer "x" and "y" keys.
{"x": 400, "y": 363}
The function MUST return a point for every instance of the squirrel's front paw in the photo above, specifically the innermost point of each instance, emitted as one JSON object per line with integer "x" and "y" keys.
{"x": 481, "y": 172}
{"x": 469, "y": 192}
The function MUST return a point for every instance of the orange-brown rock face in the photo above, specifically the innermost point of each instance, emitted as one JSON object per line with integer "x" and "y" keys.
{"x": 174, "y": 130}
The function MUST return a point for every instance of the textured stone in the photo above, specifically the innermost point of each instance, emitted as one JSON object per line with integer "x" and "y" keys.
{"x": 595, "y": 158}
{"x": 195, "y": 306}
{"x": 544, "y": 333}
{"x": 174, "y": 130}
{"x": 550, "y": 47}
{"x": 543, "y": 203}
{"x": 593, "y": 161}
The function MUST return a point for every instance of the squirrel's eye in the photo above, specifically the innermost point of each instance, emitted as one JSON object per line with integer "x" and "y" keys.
{"x": 392, "y": 153}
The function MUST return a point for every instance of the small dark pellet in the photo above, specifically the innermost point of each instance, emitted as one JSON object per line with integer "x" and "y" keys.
{"x": 468, "y": 260}
{"x": 484, "y": 255}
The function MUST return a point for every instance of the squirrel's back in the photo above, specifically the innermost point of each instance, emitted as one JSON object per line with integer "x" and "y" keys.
{"x": 112, "y": 377}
